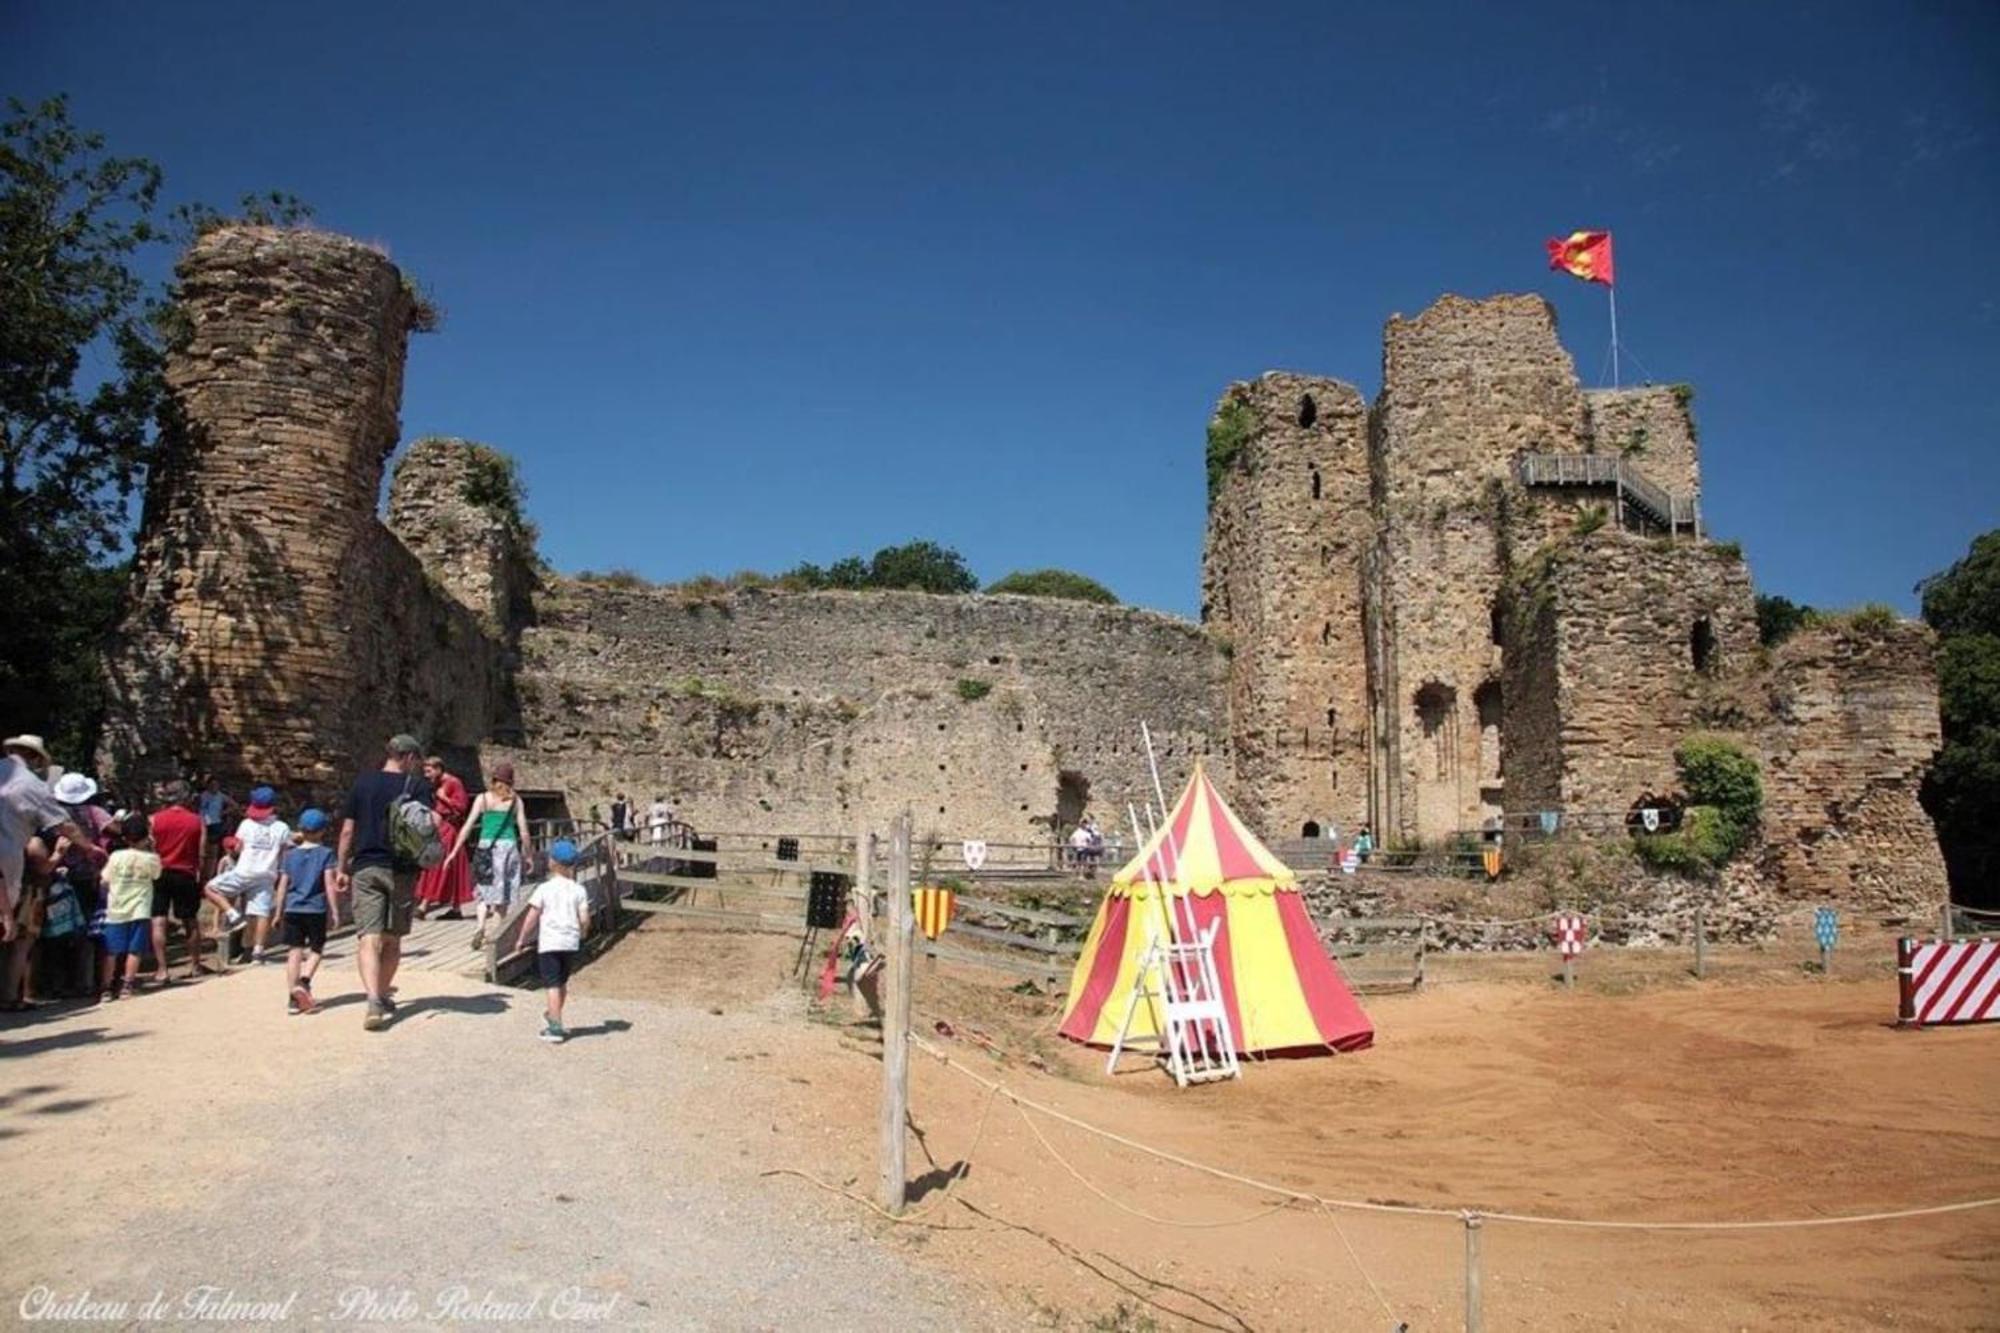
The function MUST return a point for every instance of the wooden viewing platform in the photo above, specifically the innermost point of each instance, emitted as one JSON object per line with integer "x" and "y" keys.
{"x": 1633, "y": 489}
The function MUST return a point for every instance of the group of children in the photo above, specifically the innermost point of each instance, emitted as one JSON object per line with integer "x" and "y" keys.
{"x": 268, "y": 876}
{"x": 273, "y": 877}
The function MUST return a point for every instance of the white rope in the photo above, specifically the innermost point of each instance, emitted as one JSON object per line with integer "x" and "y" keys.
{"x": 1363, "y": 1205}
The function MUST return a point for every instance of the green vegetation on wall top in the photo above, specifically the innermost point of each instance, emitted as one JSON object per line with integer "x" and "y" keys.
{"x": 1054, "y": 583}
{"x": 1228, "y": 432}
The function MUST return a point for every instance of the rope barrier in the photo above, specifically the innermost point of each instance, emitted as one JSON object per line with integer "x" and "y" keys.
{"x": 996, "y": 1088}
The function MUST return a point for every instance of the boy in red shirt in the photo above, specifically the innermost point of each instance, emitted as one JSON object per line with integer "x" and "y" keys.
{"x": 181, "y": 841}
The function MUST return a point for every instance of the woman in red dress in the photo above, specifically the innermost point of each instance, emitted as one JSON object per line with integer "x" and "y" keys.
{"x": 446, "y": 886}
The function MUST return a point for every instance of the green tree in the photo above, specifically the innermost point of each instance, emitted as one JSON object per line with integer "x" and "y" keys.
{"x": 921, "y": 566}
{"x": 1779, "y": 618}
{"x": 1054, "y": 583}
{"x": 1962, "y": 790}
{"x": 83, "y": 339}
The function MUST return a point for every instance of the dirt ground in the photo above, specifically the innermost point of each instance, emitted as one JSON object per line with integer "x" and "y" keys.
{"x": 1766, "y": 1092}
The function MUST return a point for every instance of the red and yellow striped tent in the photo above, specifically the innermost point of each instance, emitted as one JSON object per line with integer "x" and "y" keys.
{"x": 1283, "y": 993}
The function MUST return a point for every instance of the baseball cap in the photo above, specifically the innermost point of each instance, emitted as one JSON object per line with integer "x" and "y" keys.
{"x": 563, "y": 852}
{"x": 312, "y": 820}
{"x": 404, "y": 743}
{"x": 262, "y": 802}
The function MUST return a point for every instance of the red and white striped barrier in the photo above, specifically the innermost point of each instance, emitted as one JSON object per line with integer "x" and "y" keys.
{"x": 1948, "y": 981}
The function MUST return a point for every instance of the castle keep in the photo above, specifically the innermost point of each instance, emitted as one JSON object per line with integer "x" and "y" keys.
{"x": 1485, "y": 597}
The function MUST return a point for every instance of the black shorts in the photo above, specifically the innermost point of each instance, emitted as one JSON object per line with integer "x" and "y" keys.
{"x": 556, "y": 967}
{"x": 306, "y": 930}
{"x": 176, "y": 894}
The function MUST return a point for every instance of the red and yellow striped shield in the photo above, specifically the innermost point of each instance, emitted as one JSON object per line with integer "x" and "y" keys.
{"x": 933, "y": 904}
{"x": 1490, "y": 858}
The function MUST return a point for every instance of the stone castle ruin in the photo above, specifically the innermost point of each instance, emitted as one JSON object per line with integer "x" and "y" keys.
{"x": 1485, "y": 596}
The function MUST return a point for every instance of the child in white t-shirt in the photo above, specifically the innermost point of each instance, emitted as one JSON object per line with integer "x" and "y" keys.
{"x": 263, "y": 839}
{"x": 559, "y": 913}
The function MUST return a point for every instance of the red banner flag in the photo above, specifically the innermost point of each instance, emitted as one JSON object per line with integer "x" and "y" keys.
{"x": 1583, "y": 254}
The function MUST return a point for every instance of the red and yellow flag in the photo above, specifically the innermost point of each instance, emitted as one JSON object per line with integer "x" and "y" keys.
{"x": 1583, "y": 254}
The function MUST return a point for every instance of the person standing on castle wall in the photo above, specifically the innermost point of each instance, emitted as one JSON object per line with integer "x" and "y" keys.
{"x": 384, "y": 888}
{"x": 181, "y": 842}
{"x": 621, "y": 816}
{"x": 658, "y": 818}
{"x": 500, "y": 822}
{"x": 447, "y": 886}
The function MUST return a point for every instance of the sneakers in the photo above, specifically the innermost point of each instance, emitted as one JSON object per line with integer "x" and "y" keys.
{"x": 377, "y": 1017}
{"x": 234, "y": 919}
{"x": 478, "y": 941}
{"x": 389, "y": 1003}
{"x": 301, "y": 1000}
{"x": 554, "y": 1032}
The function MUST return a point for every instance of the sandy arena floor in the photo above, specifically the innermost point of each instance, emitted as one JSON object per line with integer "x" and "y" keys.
{"x": 200, "y": 1136}
{"x": 1779, "y": 1096}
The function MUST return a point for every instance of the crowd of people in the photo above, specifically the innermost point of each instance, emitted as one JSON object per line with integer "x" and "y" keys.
{"x": 93, "y": 892}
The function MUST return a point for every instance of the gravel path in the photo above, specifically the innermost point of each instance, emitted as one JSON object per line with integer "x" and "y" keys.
{"x": 452, "y": 1169}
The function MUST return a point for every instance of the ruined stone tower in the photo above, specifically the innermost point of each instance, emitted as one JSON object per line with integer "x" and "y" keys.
{"x": 1281, "y": 585}
{"x": 275, "y": 630}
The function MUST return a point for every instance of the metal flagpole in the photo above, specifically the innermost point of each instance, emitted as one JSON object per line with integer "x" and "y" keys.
{"x": 1613, "y": 289}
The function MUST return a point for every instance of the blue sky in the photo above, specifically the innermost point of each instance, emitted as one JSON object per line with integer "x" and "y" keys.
{"x": 748, "y": 285}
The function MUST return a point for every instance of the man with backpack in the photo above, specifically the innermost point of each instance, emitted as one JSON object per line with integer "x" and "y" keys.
{"x": 387, "y": 835}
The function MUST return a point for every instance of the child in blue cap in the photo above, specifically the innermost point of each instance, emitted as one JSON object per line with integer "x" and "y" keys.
{"x": 304, "y": 881}
{"x": 559, "y": 911}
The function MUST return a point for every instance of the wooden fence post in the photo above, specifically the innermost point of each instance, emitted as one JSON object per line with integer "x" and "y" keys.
{"x": 896, "y": 1021}
{"x": 1700, "y": 945}
{"x": 1947, "y": 923}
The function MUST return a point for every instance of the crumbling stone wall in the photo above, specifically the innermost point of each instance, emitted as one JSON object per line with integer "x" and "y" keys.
{"x": 816, "y": 712}
{"x": 274, "y": 629}
{"x": 1853, "y": 725}
{"x": 472, "y": 551}
{"x": 1619, "y": 646}
{"x": 1281, "y": 584}
{"x": 1467, "y": 387}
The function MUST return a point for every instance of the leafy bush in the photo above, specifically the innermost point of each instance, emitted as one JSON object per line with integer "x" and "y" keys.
{"x": 1229, "y": 430}
{"x": 1779, "y": 618}
{"x": 920, "y": 566}
{"x": 1725, "y": 801}
{"x": 1873, "y": 618}
{"x": 1589, "y": 521}
{"x": 972, "y": 690}
{"x": 613, "y": 578}
{"x": 1731, "y": 550}
{"x": 492, "y": 482}
{"x": 1054, "y": 583}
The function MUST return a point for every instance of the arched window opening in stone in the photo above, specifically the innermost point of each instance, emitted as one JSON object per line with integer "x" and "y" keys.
{"x": 1326, "y": 632}
{"x": 1308, "y": 411}
{"x": 1437, "y": 714}
{"x": 1486, "y": 701}
{"x": 1332, "y": 718}
{"x": 1072, "y": 798}
{"x": 1497, "y": 626}
{"x": 1701, "y": 646}
{"x": 1315, "y": 483}
{"x": 1310, "y": 829}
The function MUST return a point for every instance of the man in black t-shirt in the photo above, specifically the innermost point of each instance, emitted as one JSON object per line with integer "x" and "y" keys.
{"x": 384, "y": 889}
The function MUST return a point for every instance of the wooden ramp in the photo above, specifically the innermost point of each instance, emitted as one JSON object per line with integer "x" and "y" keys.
{"x": 433, "y": 945}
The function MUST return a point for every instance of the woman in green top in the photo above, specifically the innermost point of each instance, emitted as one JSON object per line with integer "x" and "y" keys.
{"x": 501, "y": 824}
